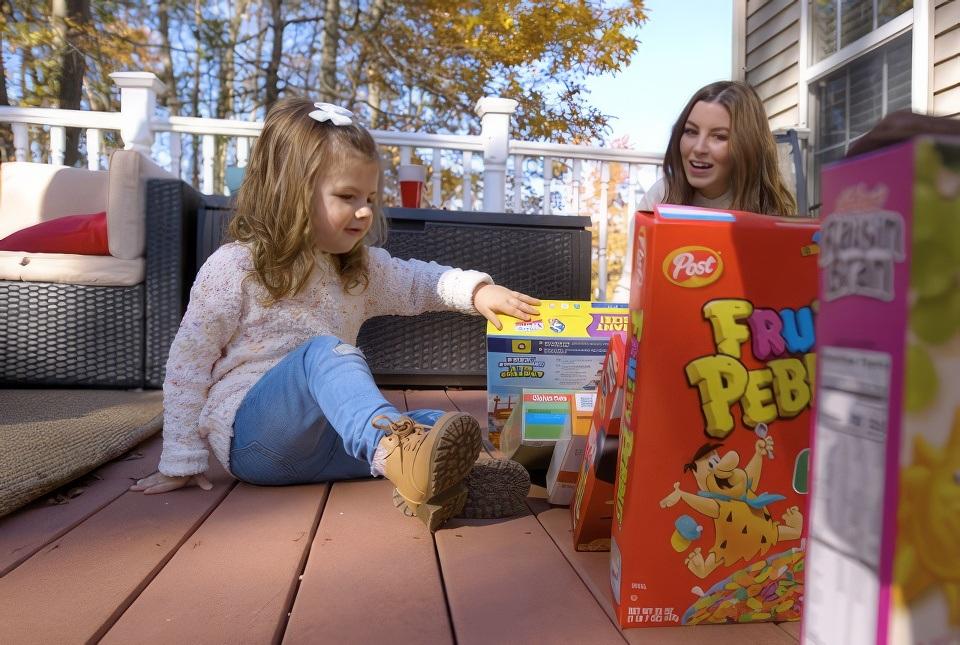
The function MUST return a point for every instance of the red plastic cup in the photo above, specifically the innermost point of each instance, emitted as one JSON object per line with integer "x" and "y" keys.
{"x": 412, "y": 178}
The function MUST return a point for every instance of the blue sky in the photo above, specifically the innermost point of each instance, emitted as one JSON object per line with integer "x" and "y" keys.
{"x": 684, "y": 45}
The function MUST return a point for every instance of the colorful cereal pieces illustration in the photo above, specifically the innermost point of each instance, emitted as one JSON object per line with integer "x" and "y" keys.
{"x": 743, "y": 524}
{"x": 767, "y": 589}
{"x": 928, "y": 558}
{"x": 685, "y": 531}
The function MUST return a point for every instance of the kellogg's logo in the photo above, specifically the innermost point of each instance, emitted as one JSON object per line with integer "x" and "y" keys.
{"x": 693, "y": 266}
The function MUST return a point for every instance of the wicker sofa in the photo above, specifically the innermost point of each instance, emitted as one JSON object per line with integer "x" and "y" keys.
{"x": 95, "y": 321}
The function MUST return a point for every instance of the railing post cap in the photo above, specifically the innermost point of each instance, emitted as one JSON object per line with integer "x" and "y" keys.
{"x": 495, "y": 105}
{"x": 148, "y": 80}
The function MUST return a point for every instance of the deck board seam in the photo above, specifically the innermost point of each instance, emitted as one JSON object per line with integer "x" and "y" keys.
{"x": 576, "y": 570}
{"x": 302, "y": 566}
{"x": 56, "y": 535}
{"x": 443, "y": 588}
{"x": 131, "y": 598}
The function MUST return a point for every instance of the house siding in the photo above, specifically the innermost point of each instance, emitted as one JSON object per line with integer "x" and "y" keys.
{"x": 946, "y": 58}
{"x": 772, "y": 38}
{"x": 771, "y": 63}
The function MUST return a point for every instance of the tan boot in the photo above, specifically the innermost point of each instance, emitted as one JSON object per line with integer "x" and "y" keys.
{"x": 427, "y": 465}
{"x": 496, "y": 488}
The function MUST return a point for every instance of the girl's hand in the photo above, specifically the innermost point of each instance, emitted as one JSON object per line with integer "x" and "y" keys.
{"x": 160, "y": 483}
{"x": 492, "y": 299}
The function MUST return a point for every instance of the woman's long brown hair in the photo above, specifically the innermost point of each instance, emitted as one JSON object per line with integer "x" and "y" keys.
{"x": 756, "y": 184}
{"x": 275, "y": 202}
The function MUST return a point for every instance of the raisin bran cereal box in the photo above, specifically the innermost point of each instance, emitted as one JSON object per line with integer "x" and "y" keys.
{"x": 884, "y": 534}
{"x": 591, "y": 510}
{"x": 709, "y": 507}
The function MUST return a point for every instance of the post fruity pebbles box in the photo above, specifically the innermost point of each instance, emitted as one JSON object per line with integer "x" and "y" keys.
{"x": 562, "y": 349}
{"x": 884, "y": 547}
{"x": 709, "y": 502}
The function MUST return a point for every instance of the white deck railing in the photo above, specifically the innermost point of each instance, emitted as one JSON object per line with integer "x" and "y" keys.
{"x": 507, "y": 175}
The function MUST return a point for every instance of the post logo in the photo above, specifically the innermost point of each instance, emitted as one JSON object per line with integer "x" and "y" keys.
{"x": 693, "y": 266}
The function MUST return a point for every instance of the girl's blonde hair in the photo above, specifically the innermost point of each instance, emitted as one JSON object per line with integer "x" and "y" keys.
{"x": 275, "y": 203}
{"x": 755, "y": 181}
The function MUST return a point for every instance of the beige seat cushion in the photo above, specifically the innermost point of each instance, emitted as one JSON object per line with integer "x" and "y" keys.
{"x": 31, "y": 193}
{"x": 126, "y": 202}
{"x": 66, "y": 268}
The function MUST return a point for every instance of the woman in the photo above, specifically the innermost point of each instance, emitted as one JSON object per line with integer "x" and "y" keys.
{"x": 721, "y": 155}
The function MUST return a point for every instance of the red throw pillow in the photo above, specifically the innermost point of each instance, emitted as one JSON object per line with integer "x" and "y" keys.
{"x": 78, "y": 234}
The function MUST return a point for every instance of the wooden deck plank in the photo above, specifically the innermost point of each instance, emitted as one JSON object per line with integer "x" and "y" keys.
{"x": 471, "y": 401}
{"x": 74, "y": 589}
{"x": 507, "y": 583}
{"x": 371, "y": 576}
{"x": 594, "y": 570}
{"x": 397, "y": 398}
{"x": 792, "y": 629}
{"x": 31, "y": 528}
{"x": 234, "y": 580}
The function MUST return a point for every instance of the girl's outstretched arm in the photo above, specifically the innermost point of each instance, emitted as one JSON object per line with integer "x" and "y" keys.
{"x": 492, "y": 299}
{"x": 410, "y": 287}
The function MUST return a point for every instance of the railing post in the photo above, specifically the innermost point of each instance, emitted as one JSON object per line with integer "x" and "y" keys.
{"x": 138, "y": 102}
{"x": 93, "y": 149}
{"x": 602, "y": 241}
{"x": 21, "y": 141}
{"x": 494, "y": 113}
{"x": 209, "y": 149}
{"x": 58, "y": 144}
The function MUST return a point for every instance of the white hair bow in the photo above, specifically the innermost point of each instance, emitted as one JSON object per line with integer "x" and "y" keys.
{"x": 333, "y": 113}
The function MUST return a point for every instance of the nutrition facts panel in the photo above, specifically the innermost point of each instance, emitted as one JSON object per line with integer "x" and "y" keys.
{"x": 847, "y": 506}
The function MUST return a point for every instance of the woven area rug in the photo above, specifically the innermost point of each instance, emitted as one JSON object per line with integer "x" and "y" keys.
{"x": 51, "y": 437}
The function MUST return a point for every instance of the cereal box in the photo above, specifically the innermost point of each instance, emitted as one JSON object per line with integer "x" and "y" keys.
{"x": 591, "y": 511}
{"x": 709, "y": 507}
{"x": 562, "y": 349}
{"x": 884, "y": 535}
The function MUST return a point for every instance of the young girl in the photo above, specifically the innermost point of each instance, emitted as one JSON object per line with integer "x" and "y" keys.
{"x": 721, "y": 155}
{"x": 264, "y": 371}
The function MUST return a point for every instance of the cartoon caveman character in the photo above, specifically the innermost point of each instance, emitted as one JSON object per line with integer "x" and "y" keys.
{"x": 743, "y": 527}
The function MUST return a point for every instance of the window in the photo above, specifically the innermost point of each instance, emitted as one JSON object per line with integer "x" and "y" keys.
{"x": 852, "y": 99}
{"x": 837, "y": 23}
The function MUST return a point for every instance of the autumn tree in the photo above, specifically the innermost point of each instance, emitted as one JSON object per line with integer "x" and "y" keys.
{"x": 61, "y": 53}
{"x": 403, "y": 64}
{"x": 71, "y": 21}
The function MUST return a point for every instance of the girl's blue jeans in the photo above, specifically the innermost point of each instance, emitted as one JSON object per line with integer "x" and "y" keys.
{"x": 308, "y": 419}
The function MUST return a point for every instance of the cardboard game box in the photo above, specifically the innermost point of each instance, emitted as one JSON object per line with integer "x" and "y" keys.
{"x": 543, "y": 419}
{"x": 884, "y": 548}
{"x": 709, "y": 509}
{"x": 591, "y": 511}
{"x": 562, "y": 349}
{"x": 568, "y": 451}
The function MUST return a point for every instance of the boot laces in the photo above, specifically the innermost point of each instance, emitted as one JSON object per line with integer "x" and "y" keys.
{"x": 402, "y": 427}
